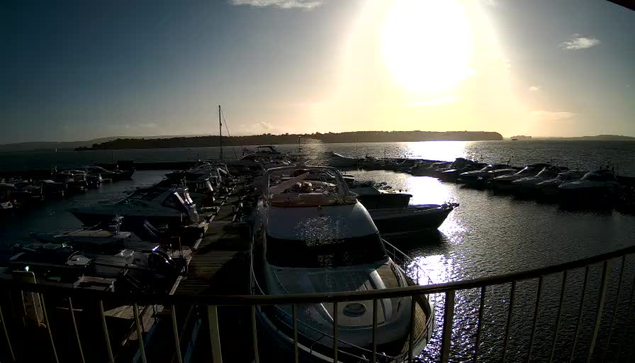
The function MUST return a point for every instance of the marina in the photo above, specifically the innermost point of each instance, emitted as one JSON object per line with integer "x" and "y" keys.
{"x": 218, "y": 265}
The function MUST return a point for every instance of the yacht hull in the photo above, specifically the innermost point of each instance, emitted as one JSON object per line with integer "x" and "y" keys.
{"x": 409, "y": 220}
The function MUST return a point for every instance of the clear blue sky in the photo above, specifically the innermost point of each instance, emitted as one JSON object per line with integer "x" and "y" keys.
{"x": 75, "y": 70}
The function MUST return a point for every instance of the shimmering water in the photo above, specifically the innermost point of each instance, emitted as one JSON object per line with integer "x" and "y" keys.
{"x": 573, "y": 154}
{"x": 486, "y": 235}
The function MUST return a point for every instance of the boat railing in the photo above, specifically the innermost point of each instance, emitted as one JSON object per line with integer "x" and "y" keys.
{"x": 592, "y": 318}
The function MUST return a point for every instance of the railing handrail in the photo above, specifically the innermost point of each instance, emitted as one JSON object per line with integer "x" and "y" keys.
{"x": 313, "y": 298}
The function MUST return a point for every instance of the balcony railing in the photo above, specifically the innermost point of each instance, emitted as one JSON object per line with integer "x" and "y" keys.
{"x": 605, "y": 321}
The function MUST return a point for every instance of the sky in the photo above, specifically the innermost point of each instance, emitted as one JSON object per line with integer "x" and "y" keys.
{"x": 78, "y": 70}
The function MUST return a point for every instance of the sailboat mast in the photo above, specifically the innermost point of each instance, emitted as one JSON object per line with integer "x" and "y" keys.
{"x": 220, "y": 132}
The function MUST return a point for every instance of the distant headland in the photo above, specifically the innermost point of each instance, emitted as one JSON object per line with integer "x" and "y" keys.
{"x": 342, "y": 137}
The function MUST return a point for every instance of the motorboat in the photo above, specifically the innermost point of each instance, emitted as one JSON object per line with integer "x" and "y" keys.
{"x": 158, "y": 205}
{"x": 550, "y": 187}
{"x": 51, "y": 262}
{"x": 473, "y": 175}
{"x": 504, "y": 182}
{"x": 6, "y": 197}
{"x": 373, "y": 198}
{"x": 54, "y": 189}
{"x": 73, "y": 180}
{"x": 264, "y": 151}
{"x": 341, "y": 161}
{"x": 479, "y": 178}
{"x": 114, "y": 175}
{"x": 111, "y": 235}
{"x": 454, "y": 172}
{"x": 311, "y": 235}
{"x": 393, "y": 215}
{"x": 529, "y": 184}
{"x": 595, "y": 186}
{"x": 410, "y": 219}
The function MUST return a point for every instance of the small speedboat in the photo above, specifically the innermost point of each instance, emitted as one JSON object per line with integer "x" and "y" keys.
{"x": 504, "y": 182}
{"x": 311, "y": 235}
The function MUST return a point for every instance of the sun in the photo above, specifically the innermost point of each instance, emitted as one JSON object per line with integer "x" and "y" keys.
{"x": 427, "y": 45}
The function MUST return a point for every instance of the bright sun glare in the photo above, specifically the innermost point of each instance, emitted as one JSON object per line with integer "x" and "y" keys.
{"x": 427, "y": 45}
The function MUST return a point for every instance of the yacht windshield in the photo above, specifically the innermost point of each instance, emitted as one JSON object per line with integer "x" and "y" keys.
{"x": 325, "y": 253}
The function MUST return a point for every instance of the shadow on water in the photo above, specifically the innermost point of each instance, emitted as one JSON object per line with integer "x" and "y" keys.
{"x": 421, "y": 243}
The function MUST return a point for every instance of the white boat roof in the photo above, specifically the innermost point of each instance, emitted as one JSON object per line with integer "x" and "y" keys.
{"x": 320, "y": 223}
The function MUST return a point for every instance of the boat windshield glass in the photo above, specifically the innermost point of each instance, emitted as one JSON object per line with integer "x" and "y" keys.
{"x": 325, "y": 253}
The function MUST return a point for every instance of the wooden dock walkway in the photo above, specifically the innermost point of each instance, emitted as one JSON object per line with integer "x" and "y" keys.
{"x": 220, "y": 261}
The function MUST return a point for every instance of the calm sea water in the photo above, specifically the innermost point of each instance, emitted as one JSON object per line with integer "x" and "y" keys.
{"x": 573, "y": 154}
{"x": 486, "y": 235}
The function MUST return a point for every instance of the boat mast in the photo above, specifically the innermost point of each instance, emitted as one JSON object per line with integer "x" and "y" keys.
{"x": 220, "y": 132}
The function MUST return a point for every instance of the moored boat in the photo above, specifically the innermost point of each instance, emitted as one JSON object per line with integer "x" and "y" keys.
{"x": 313, "y": 236}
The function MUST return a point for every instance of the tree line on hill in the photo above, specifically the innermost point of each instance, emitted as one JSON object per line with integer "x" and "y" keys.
{"x": 342, "y": 137}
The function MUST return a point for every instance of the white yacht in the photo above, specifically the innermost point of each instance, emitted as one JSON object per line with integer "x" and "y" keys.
{"x": 529, "y": 184}
{"x": 504, "y": 182}
{"x": 311, "y": 235}
{"x": 550, "y": 187}
{"x": 600, "y": 185}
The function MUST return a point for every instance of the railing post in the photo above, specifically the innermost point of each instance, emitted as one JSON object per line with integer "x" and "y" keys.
{"x": 104, "y": 326}
{"x": 448, "y": 318}
{"x": 413, "y": 312}
{"x": 536, "y": 311}
{"x": 577, "y": 328}
{"x": 336, "y": 319}
{"x": 374, "y": 357}
{"x": 628, "y": 320}
{"x": 617, "y": 300}
{"x": 79, "y": 342}
{"x": 142, "y": 349}
{"x": 254, "y": 334}
{"x": 214, "y": 333}
{"x": 512, "y": 295}
{"x": 598, "y": 318}
{"x": 6, "y": 334}
{"x": 295, "y": 333}
{"x": 480, "y": 323}
{"x": 559, "y": 318}
{"x": 175, "y": 332}
{"x": 48, "y": 328}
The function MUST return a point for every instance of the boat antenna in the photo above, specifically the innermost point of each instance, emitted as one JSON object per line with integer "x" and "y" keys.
{"x": 220, "y": 132}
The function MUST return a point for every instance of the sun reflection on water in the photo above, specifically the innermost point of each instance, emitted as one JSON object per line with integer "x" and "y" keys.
{"x": 437, "y": 150}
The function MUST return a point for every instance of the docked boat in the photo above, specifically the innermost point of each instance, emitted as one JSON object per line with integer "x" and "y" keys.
{"x": 74, "y": 181}
{"x": 313, "y": 236}
{"x": 529, "y": 184}
{"x": 504, "y": 182}
{"x": 410, "y": 219}
{"x": 549, "y": 187}
{"x": 454, "y": 172}
{"x": 596, "y": 186}
{"x": 159, "y": 206}
{"x": 264, "y": 151}
{"x": 393, "y": 215}
{"x": 341, "y": 161}
{"x": 480, "y": 177}
{"x": 114, "y": 175}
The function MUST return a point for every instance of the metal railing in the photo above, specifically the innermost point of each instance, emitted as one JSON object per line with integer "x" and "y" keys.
{"x": 448, "y": 290}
